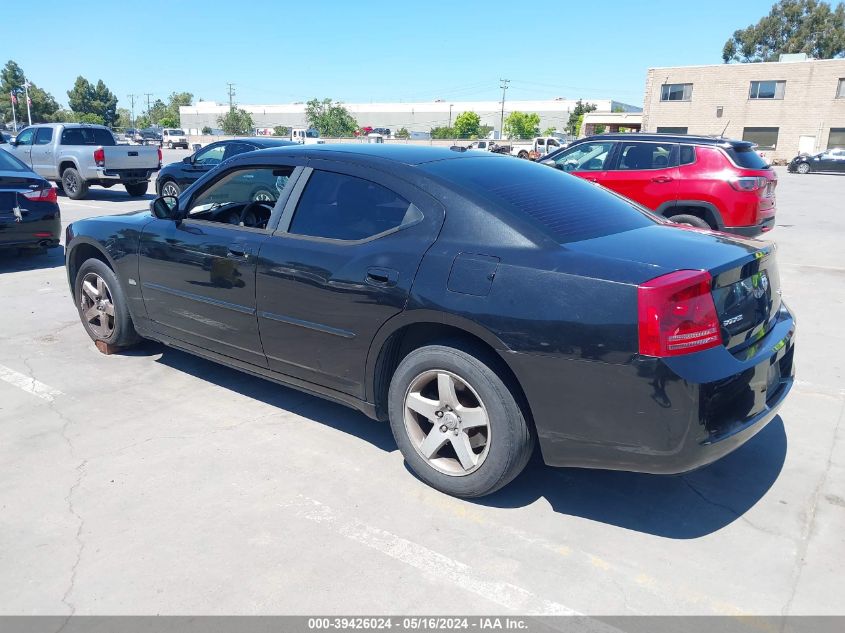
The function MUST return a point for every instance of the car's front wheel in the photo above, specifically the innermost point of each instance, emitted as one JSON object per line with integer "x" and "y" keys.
{"x": 458, "y": 425}
{"x": 803, "y": 168}
{"x": 169, "y": 188}
{"x": 102, "y": 305}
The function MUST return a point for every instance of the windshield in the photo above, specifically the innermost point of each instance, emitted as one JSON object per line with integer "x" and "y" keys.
{"x": 176, "y": 132}
{"x": 312, "y": 134}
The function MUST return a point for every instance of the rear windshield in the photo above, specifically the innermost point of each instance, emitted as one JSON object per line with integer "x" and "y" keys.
{"x": 747, "y": 157}
{"x": 87, "y": 136}
{"x": 566, "y": 207}
{"x": 10, "y": 163}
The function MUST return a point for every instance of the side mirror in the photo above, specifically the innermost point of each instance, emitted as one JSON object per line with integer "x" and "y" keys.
{"x": 549, "y": 161}
{"x": 188, "y": 160}
{"x": 165, "y": 207}
{"x": 13, "y": 142}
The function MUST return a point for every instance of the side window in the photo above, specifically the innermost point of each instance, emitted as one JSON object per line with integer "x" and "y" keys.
{"x": 240, "y": 187}
{"x": 25, "y": 137}
{"x": 342, "y": 207}
{"x": 635, "y": 156}
{"x": 210, "y": 155}
{"x": 44, "y": 136}
{"x": 553, "y": 143}
{"x": 233, "y": 149}
{"x": 687, "y": 155}
{"x": 584, "y": 157}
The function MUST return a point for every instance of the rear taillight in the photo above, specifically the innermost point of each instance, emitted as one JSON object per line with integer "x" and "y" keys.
{"x": 749, "y": 183}
{"x": 100, "y": 157}
{"x": 42, "y": 195}
{"x": 677, "y": 314}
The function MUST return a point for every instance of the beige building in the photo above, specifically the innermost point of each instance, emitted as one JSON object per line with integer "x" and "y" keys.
{"x": 785, "y": 107}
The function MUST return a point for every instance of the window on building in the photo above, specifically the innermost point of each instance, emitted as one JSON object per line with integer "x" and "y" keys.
{"x": 764, "y": 137}
{"x": 676, "y": 92}
{"x": 671, "y": 130}
{"x": 767, "y": 90}
{"x": 840, "y": 89}
{"x": 836, "y": 137}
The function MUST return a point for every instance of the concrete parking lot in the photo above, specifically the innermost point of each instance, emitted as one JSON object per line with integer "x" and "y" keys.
{"x": 155, "y": 482}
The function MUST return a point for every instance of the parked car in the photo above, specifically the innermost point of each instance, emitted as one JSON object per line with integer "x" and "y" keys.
{"x": 702, "y": 181}
{"x": 29, "y": 210}
{"x": 832, "y": 160}
{"x": 533, "y": 149}
{"x": 175, "y": 177}
{"x": 78, "y": 155}
{"x": 130, "y": 134}
{"x": 148, "y": 136}
{"x": 384, "y": 131}
{"x": 174, "y": 137}
{"x": 477, "y": 302}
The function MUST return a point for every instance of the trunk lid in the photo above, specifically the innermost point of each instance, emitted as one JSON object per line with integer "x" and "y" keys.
{"x": 119, "y": 157}
{"x": 746, "y": 283}
{"x": 11, "y": 184}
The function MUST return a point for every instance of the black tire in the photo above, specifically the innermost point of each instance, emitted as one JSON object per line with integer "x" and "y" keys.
{"x": 510, "y": 439}
{"x": 691, "y": 220}
{"x": 522, "y": 154}
{"x": 803, "y": 168}
{"x": 136, "y": 190}
{"x": 73, "y": 184}
{"x": 169, "y": 145}
{"x": 172, "y": 187}
{"x": 123, "y": 333}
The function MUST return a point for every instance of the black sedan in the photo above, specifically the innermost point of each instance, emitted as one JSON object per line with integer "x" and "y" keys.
{"x": 477, "y": 302}
{"x": 29, "y": 210}
{"x": 832, "y": 160}
{"x": 175, "y": 177}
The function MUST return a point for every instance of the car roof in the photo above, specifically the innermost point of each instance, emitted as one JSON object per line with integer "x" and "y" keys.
{"x": 672, "y": 138}
{"x": 398, "y": 153}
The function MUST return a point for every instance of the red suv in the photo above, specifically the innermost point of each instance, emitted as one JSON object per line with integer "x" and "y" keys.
{"x": 706, "y": 182}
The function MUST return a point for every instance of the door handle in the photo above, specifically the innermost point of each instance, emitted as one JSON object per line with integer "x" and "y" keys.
{"x": 239, "y": 251}
{"x": 662, "y": 179}
{"x": 382, "y": 276}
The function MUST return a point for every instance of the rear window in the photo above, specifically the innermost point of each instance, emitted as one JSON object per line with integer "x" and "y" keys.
{"x": 87, "y": 136}
{"x": 566, "y": 207}
{"x": 747, "y": 157}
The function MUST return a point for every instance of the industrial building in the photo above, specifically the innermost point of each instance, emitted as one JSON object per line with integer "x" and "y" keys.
{"x": 416, "y": 117}
{"x": 786, "y": 107}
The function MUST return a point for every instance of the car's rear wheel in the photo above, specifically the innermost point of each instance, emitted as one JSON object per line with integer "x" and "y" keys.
{"x": 136, "y": 190}
{"x": 73, "y": 184}
{"x": 102, "y": 305}
{"x": 456, "y": 422}
{"x": 169, "y": 188}
{"x": 803, "y": 168}
{"x": 690, "y": 220}
{"x": 169, "y": 145}
{"x": 522, "y": 154}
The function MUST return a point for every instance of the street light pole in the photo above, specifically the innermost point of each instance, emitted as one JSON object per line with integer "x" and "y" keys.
{"x": 450, "y": 115}
{"x": 504, "y": 87}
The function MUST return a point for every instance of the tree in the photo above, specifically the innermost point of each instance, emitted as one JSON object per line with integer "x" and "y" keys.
{"x": 168, "y": 120}
{"x": 484, "y": 130}
{"x": 402, "y": 132}
{"x": 330, "y": 118}
{"x": 576, "y": 117}
{"x": 42, "y": 106}
{"x": 281, "y": 130}
{"x": 549, "y": 131}
{"x": 443, "y": 132}
{"x": 90, "y": 117}
{"x": 124, "y": 119}
{"x": 792, "y": 26}
{"x": 175, "y": 101}
{"x": 236, "y": 122}
{"x": 467, "y": 124}
{"x": 85, "y": 98}
{"x": 206, "y": 130}
{"x": 522, "y": 125}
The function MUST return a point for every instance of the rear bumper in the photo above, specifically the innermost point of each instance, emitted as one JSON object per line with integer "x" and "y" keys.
{"x": 124, "y": 175}
{"x": 38, "y": 228}
{"x": 660, "y": 416}
{"x": 752, "y": 231}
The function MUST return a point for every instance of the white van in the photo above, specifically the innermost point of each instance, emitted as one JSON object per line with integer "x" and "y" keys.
{"x": 174, "y": 137}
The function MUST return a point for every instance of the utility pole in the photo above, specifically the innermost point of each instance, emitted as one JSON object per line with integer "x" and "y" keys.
{"x": 231, "y": 96}
{"x": 450, "y": 114}
{"x": 149, "y": 115}
{"x": 26, "y": 90}
{"x": 504, "y": 87}
{"x": 132, "y": 111}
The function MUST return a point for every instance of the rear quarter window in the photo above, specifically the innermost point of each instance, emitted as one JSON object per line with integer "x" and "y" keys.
{"x": 566, "y": 207}
{"x": 747, "y": 157}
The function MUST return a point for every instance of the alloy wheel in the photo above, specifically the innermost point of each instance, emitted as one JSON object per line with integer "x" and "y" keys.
{"x": 71, "y": 183}
{"x": 803, "y": 168}
{"x": 97, "y": 306}
{"x": 447, "y": 422}
{"x": 169, "y": 189}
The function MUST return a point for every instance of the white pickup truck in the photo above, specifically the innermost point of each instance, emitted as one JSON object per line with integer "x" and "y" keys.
{"x": 77, "y": 155}
{"x": 533, "y": 149}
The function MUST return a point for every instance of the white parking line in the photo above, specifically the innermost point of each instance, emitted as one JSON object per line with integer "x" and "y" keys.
{"x": 30, "y": 385}
{"x": 433, "y": 563}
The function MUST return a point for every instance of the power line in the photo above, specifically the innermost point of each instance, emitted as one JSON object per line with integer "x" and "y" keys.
{"x": 504, "y": 86}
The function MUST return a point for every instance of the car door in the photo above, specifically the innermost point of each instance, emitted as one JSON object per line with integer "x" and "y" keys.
{"x": 340, "y": 265}
{"x": 198, "y": 276}
{"x": 646, "y": 172}
{"x": 43, "y": 153}
{"x": 588, "y": 160}
{"x": 22, "y": 148}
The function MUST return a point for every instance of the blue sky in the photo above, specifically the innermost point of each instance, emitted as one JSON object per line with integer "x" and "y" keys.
{"x": 283, "y": 51}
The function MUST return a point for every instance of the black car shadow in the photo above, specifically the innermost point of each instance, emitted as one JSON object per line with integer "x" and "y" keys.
{"x": 314, "y": 408}
{"x": 11, "y": 261}
{"x": 679, "y": 507}
{"x": 115, "y": 194}
{"x": 672, "y": 506}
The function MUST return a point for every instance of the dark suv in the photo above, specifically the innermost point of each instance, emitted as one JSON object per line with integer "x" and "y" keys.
{"x": 702, "y": 181}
